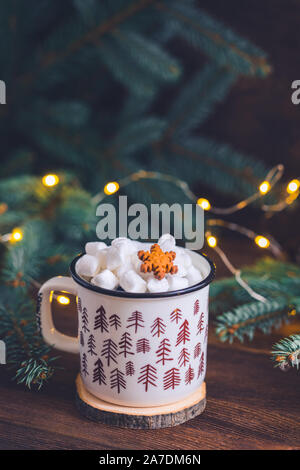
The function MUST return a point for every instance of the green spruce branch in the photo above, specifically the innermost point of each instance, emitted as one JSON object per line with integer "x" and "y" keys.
{"x": 286, "y": 353}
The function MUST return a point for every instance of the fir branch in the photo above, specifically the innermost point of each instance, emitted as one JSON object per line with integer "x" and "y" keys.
{"x": 244, "y": 320}
{"x": 27, "y": 354}
{"x": 211, "y": 161}
{"x": 198, "y": 99}
{"x": 149, "y": 55}
{"x": 35, "y": 372}
{"x": 286, "y": 353}
{"x": 90, "y": 37}
{"x": 225, "y": 47}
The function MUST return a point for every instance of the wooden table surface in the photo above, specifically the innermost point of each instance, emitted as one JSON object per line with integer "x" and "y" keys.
{"x": 250, "y": 405}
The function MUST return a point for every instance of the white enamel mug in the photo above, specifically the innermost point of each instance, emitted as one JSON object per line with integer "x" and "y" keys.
{"x": 137, "y": 350}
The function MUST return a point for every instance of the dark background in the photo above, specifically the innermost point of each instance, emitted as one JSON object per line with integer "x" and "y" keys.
{"x": 258, "y": 117}
{"x": 251, "y": 405}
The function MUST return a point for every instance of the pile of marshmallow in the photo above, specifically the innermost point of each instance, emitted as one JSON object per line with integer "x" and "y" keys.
{"x": 118, "y": 266}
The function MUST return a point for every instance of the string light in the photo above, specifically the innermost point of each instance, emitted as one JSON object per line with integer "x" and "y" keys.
{"x": 211, "y": 241}
{"x": 204, "y": 203}
{"x": 265, "y": 187}
{"x": 261, "y": 241}
{"x": 50, "y": 180}
{"x": 293, "y": 186}
{"x": 62, "y": 299}
{"x": 111, "y": 187}
{"x": 273, "y": 176}
{"x": 16, "y": 235}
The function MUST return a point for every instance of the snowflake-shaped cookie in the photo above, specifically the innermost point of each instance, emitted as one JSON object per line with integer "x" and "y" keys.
{"x": 158, "y": 261}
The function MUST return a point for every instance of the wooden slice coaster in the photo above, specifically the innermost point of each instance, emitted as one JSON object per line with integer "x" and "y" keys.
{"x": 139, "y": 418}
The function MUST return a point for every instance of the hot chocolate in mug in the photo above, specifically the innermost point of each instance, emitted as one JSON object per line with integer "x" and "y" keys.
{"x": 138, "y": 350}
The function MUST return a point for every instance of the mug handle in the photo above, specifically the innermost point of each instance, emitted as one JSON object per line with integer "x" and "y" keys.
{"x": 44, "y": 314}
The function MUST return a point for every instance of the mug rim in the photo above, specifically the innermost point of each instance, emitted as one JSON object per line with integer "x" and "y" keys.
{"x": 146, "y": 295}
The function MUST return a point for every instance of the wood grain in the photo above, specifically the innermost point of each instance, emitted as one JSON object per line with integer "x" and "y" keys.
{"x": 250, "y": 405}
{"x": 139, "y": 418}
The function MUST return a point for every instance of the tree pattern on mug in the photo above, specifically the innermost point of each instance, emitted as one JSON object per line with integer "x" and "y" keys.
{"x": 176, "y": 315}
{"x": 84, "y": 365}
{"x": 109, "y": 370}
{"x": 125, "y": 345}
{"x": 81, "y": 339}
{"x": 164, "y": 351}
{"x": 91, "y": 345}
{"x": 109, "y": 351}
{"x": 85, "y": 320}
{"x": 101, "y": 320}
{"x": 98, "y": 373}
{"x": 200, "y": 325}
{"x": 130, "y": 368}
{"x": 142, "y": 345}
{"x": 117, "y": 380}
{"x": 148, "y": 376}
{"x": 115, "y": 321}
{"x": 184, "y": 357}
{"x": 171, "y": 378}
{"x": 197, "y": 350}
{"x": 184, "y": 333}
{"x": 158, "y": 327}
{"x": 189, "y": 375}
{"x": 201, "y": 366}
{"x": 135, "y": 321}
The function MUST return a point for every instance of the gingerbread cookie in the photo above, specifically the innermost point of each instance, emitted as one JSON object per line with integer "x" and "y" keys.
{"x": 158, "y": 261}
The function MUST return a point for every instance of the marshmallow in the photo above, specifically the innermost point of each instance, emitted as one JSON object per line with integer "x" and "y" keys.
{"x": 154, "y": 285}
{"x": 177, "y": 282}
{"x": 180, "y": 262}
{"x": 123, "y": 269}
{"x": 193, "y": 275}
{"x": 124, "y": 244}
{"x": 106, "y": 279}
{"x": 130, "y": 281}
{"x": 108, "y": 266}
{"x": 94, "y": 248}
{"x": 87, "y": 265}
{"x": 167, "y": 242}
{"x": 116, "y": 256}
{"x": 102, "y": 258}
{"x": 136, "y": 262}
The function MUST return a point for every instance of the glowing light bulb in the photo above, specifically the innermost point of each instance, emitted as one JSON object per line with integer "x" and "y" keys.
{"x": 264, "y": 187}
{"x": 293, "y": 186}
{"x": 50, "y": 180}
{"x": 16, "y": 235}
{"x": 111, "y": 187}
{"x": 204, "y": 203}
{"x": 62, "y": 299}
{"x": 261, "y": 241}
{"x": 212, "y": 241}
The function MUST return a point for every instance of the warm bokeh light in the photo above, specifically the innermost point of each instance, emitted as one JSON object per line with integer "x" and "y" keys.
{"x": 264, "y": 187}
{"x": 16, "y": 235}
{"x": 62, "y": 299}
{"x": 262, "y": 242}
{"x": 293, "y": 186}
{"x": 212, "y": 241}
{"x": 50, "y": 180}
{"x": 111, "y": 187}
{"x": 204, "y": 203}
